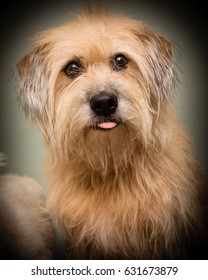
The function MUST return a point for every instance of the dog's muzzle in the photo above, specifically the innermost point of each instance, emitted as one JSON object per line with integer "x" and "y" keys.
{"x": 104, "y": 105}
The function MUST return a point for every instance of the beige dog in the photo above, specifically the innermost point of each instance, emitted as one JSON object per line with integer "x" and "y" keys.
{"x": 25, "y": 231}
{"x": 124, "y": 183}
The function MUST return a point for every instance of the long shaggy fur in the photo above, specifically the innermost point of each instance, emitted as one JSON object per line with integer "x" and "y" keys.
{"x": 25, "y": 229}
{"x": 130, "y": 192}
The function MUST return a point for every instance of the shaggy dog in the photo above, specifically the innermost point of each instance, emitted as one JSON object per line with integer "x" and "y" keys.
{"x": 25, "y": 231}
{"x": 123, "y": 181}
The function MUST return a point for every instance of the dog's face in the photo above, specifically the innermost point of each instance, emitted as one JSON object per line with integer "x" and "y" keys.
{"x": 96, "y": 83}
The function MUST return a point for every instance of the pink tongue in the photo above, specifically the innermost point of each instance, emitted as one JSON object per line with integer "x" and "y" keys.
{"x": 107, "y": 125}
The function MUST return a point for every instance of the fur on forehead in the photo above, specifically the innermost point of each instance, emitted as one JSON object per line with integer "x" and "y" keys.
{"x": 110, "y": 34}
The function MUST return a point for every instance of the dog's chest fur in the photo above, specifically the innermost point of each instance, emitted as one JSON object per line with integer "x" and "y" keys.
{"x": 121, "y": 216}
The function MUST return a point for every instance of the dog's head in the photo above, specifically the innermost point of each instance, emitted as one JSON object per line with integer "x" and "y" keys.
{"x": 95, "y": 81}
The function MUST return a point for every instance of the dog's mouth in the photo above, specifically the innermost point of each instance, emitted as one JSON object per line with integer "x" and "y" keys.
{"x": 105, "y": 123}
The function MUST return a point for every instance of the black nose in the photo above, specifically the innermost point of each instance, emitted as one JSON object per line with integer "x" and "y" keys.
{"x": 104, "y": 103}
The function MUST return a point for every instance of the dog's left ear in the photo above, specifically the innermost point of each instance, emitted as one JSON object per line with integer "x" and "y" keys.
{"x": 159, "y": 63}
{"x": 33, "y": 84}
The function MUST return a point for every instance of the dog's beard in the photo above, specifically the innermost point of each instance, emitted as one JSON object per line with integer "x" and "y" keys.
{"x": 107, "y": 151}
{"x": 102, "y": 150}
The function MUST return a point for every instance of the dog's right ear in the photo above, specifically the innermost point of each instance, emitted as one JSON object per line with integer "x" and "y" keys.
{"x": 159, "y": 63}
{"x": 33, "y": 85}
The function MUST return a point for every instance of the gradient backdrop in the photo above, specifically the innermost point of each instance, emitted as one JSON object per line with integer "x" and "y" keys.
{"x": 182, "y": 22}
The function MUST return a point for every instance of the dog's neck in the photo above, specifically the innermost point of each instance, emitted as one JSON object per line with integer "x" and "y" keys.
{"x": 98, "y": 170}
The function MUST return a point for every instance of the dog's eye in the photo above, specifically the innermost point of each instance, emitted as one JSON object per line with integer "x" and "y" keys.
{"x": 73, "y": 69}
{"x": 120, "y": 62}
